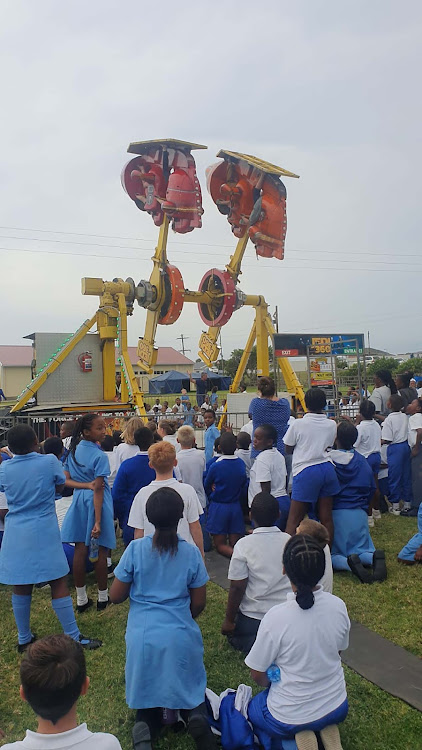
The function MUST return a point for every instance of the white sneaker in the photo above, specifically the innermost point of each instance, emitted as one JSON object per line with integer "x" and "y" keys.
{"x": 376, "y": 514}
{"x": 395, "y": 511}
{"x": 371, "y": 522}
{"x": 407, "y": 506}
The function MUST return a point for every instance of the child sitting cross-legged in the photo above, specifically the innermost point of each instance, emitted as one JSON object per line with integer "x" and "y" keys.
{"x": 257, "y": 582}
{"x": 224, "y": 484}
{"x": 53, "y": 677}
{"x": 302, "y": 638}
{"x": 352, "y": 547}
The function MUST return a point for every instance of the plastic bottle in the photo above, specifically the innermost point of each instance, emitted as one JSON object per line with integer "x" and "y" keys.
{"x": 273, "y": 673}
{"x": 93, "y": 550}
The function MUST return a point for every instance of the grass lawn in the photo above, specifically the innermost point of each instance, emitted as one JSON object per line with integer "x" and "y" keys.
{"x": 376, "y": 720}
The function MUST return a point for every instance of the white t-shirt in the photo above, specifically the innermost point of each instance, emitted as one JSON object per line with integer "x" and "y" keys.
{"x": 122, "y": 452}
{"x": 305, "y": 645}
{"x": 172, "y": 439}
{"x": 191, "y": 463}
{"x": 380, "y": 397}
{"x": 248, "y": 427}
{"x": 192, "y": 510}
{"x": 419, "y": 392}
{"x": 259, "y": 558}
{"x": 395, "y": 427}
{"x": 62, "y": 506}
{"x": 327, "y": 579}
{"x": 66, "y": 442}
{"x": 369, "y": 437}
{"x": 111, "y": 455}
{"x": 79, "y": 737}
{"x": 269, "y": 466}
{"x": 3, "y": 506}
{"x": 245, "y": 455}
{"x": 415, "y": 423}
{"x": 310, "y": 437}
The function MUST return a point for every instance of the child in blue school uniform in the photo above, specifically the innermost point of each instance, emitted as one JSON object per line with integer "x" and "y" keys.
{"x": 314, "y": 478}
{"x": 133, "y": 474}
{"x": 165, "y": 578}
{"x": 225, "y": 483}
{"x": 352, "y": 547}
{"x": 303, "y": 637}
{"x": 211, "y": 433}
{"x": 412, "y": 551}
{"x": 394, "y": 434}
{"x": 91, "y": 514}
{"x": 32, "y": 551}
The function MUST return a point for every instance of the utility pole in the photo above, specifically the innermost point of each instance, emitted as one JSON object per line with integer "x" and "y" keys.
{"x": 183, "y": 338}
{"x": 275, "y": 321}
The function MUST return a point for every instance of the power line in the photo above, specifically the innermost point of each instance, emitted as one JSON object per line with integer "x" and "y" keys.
{"x": 183, "y": 338}
{"x": 175, "y": 242}
{"x": 207, "y": 263}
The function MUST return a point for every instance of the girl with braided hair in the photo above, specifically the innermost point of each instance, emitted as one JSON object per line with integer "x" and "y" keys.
{"x": 303, "y": 638}
{"x": 91, "y": 513}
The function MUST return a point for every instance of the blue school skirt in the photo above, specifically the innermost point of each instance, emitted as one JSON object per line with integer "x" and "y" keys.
{"x": 80, "y": 518}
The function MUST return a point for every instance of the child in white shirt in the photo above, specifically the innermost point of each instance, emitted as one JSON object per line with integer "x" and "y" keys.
{"x": 314, "y": 477}
{"x": 394, "y": 434}
{"x": 368, "y": 445}
{"x": 162, "y": 458}
{"x": 256, "y": 577}
{"x": 243, "y": 450}
{"x": 53, "y": 676}
{"x": 316, "y": 530}
{"x": 303, "y": 638}
{"x": 268, "y": 472}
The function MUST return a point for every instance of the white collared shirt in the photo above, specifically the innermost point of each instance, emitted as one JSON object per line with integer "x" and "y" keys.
{"x": 305, "y": 645}
{"x": 245, "y": 455}
{"x": 191, "y": 463}
{"x": 191, "y": 512}
{"x": 327, "y": 579}
{"x": 369, "y": 437}
{"x": 259, "y": 558}
{"x": 414, "y": 424}
{"x": 3, "y": 506}
{"x": 310, "y": 437}
{"x": 269, "y": 466}
{"x": 395, "y": 427}
{"x": 79, "y": 737}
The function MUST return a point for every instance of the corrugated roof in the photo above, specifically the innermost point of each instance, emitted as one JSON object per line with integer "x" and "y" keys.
{"x": 16, "y": 356}
{"x": 21, "y": 356}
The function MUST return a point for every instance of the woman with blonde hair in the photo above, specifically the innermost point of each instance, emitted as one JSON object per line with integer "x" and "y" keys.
{"x": 128, "y": 448}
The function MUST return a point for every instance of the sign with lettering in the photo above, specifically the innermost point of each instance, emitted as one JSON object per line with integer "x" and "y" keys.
{"x": 301, "y": 344}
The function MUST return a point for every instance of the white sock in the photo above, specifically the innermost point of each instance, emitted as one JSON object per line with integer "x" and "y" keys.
{"x": 103, "y": 595}
{"x": 81, "y": 596}
{"x": 109, "y": 562}
{"x": 396, "y": 506}
{"x": 407, "y": 506}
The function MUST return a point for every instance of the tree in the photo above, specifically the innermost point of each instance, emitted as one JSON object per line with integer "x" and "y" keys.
{"x": 383, "y": 363}
{"x": 232, "y": 363}
{"x": 411, "y": 365}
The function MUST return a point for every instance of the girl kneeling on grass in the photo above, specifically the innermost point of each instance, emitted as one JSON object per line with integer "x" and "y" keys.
{"x": 164, "y": 577}
{"x": 303, "y": 638}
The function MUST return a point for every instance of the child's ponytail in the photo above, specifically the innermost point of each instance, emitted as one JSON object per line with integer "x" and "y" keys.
{"x": 83, "y": 423}
{"x": 304, "y": 563}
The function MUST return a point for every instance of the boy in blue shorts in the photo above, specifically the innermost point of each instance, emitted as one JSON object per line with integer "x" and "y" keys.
{"x": 225, "y": 484}
{"x": 314, "y": 477}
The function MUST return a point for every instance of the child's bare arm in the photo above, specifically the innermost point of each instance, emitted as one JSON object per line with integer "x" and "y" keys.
{"x": 260, "y": 678}
{"x": 198, "y": 599}
{"x": 98, "y": 505}
{"x": 119, "y": 591}
{"x": 236, "y": 593}
{"x": 139, "y": 533}
{"x": 78, "y": 485}
{"x": 196, "y": 533}
{"x": 289, "y": 449}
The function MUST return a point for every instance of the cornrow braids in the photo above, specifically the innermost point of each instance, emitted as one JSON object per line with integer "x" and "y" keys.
{"x": 304, "y": 563}
{"x": 83, "y": 423}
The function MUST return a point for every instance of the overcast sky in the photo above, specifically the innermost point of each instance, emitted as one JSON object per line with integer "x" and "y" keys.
{"x": 328, "y": 90}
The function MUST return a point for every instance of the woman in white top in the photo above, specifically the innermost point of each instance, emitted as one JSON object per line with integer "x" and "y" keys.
{"x": 302, "y": 638}
{"x": 167, "y": 430}
{"x": 384, "y": 387}
{"x": 415, "y": 438}
{"x": 128, "y": 448}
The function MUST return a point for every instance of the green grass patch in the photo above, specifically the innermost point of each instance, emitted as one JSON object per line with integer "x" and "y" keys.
{"x": 376, "y": 721}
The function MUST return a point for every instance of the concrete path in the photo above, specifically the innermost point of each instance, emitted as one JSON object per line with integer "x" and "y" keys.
{"x": 378, "y": 660}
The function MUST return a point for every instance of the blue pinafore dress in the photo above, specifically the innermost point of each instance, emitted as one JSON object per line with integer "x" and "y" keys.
{"x": 88, "y": 463}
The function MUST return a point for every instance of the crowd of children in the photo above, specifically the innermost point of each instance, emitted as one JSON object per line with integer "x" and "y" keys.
{"x": 169, "y": 498}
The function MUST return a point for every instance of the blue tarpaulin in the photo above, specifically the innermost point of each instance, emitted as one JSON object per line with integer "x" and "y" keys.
{"x": 169, "y": 382}
{"x": 222, "y": 382}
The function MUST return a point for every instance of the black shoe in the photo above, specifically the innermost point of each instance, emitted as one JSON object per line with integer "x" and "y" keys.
{"x": 355, "y": 565}
{"x": 200, "y": 731}
{"x": 379, "y": 566}
{"x": 89, "y": 643}
{"x": 103, "y": 605}
{"x": 21, "y": 647}
{"x": 83, "y": 607}
{"x": 141, "y": 736}
{"x": 411, "y": 513}
{"x": 110, "y": 571}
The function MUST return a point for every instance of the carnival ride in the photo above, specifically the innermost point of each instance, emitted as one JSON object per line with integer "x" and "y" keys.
{"x": 162, "y": 181}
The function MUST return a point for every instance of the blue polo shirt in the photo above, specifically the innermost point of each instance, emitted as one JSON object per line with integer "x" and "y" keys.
{"x": 210, "y": 436}
{"x": 228, "y": 475}
{"x": 133, "y": 474}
